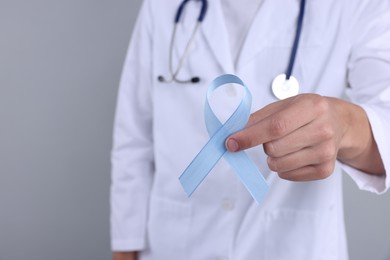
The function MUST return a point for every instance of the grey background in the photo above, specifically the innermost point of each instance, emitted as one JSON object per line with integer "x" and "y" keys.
{"x": 60, "y": 63}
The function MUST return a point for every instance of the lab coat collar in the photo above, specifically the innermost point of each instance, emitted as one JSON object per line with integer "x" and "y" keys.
{"x": 216, "y": 34}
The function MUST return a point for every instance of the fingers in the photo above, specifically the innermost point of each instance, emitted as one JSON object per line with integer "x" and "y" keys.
{"x": 316, "y": 155}
{"x": 309, "y": 173}
{"x": 306, "y": 136}
{"x": 276, "y": 121}
{"x": 307, "y": 154}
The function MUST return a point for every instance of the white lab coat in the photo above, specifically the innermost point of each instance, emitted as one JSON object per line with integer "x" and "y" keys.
{"x": 159, "y": 128}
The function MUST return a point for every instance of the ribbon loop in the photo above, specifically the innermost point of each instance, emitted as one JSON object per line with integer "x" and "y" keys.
{"x": 215, "y": 148}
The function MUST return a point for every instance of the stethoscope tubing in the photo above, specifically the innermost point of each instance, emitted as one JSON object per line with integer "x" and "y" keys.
{"x": 174, "y": 72}
{"x": 296, "y": 40}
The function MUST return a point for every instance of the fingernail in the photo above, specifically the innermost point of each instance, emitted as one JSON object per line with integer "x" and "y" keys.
{"x": 232, "y": 145}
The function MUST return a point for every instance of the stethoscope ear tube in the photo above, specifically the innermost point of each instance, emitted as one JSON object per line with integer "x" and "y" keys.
{"x": 202, "y": 13}
{"x": 174, "y": 72}
{"x": 180, "y": 10}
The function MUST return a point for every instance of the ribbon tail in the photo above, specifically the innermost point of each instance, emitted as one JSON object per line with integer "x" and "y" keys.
{"x": 249, "y": 174}
{"x": 202, "y": 164}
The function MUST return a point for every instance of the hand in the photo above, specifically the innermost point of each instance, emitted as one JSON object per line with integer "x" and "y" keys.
{"x": 124, "y": 256}
{"x": 304, "y": 135}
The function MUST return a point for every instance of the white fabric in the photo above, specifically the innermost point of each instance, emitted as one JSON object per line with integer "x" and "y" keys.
{"x": 159, "y": 129}
{"x": 238, "y": 17}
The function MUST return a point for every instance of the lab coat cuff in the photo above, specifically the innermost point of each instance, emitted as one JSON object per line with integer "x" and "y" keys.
{"x": 366, "y": 181}
{"x": 130, "y": 245}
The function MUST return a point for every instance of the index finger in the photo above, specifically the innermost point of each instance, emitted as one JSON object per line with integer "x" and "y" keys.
{"x": 281, "y": 119}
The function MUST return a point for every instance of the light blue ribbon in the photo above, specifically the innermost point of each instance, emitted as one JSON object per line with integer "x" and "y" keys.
{"x": 215, "y": 148}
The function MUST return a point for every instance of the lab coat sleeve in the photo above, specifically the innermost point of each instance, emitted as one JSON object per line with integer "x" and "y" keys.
{"x": 369, "y": 80}
{"x": 132, "y": 153}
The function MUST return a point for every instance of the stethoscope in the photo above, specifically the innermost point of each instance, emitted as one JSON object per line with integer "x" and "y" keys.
{"x": 283, "y": 86}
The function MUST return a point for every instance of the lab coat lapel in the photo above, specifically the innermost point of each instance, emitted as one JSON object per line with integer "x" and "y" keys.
{"x": 256, "y": 38}
{"x": 264, "y": 33}
{"x": 215, "y": 33}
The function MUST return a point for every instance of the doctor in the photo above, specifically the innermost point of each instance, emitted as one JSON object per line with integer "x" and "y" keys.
{"x": 301, "y": 142}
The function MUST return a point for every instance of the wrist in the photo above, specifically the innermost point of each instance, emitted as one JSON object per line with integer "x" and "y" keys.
{"x": 357, "y": 146}
{"x": 356, "y": 134}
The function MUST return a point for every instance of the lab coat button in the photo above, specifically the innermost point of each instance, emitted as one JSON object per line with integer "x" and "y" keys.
{"x": 228, "y": 204}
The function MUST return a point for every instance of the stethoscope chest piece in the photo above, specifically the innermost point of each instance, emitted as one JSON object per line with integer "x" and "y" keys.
{"x": 284, "y": 88}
